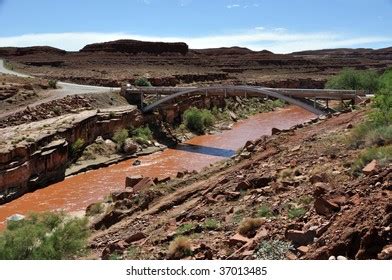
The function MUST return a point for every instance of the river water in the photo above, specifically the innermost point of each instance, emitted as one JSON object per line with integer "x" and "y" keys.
{"x": 77, "y": 192}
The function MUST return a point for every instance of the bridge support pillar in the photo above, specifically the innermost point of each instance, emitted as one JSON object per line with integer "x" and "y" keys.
{"x": 135, "y": 98}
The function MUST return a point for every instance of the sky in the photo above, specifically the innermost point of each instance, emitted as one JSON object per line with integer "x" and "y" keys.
{"x": 281, "y": 26}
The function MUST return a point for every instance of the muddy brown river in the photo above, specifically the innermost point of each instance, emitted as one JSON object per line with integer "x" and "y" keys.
{"x": 77, "y": 192}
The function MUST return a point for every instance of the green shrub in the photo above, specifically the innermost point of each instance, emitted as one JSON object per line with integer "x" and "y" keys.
{"x": 143, "y": 82}
{"x": 120, "y": 136}
{"x": 142, "y": 132}
{"x": 47, "y": 236}
{"x": 355, "y": 80}
{"x": 197, "y": 120}
{"x": 52, "y": 84}
{"x": 77, "y": 146}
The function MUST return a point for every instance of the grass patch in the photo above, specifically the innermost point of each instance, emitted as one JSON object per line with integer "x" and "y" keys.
{"x": 295, "y": 212}
{"x": 265, "y": 211}
{"x": 238, "y": 216}
{"x": 211, "y": 224}
{"x": 185, "y": 229}
{"x": 383, "y": 155}
{"x": 46, "y": 236}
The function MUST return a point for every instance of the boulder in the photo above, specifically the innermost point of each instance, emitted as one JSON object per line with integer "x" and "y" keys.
{"x": 135, "y": 237}
{"x": 386, "y": 253}
{"x": 299, "y": 237}
{"x": 245, "y": 155}
{"x": 370, "y": 168}
{"x": 324, "y": 207}
{"x": 233, "y": 116}
{"x": 238, "y": 239}
{"x": 243, "y": 186}
{"x": 129, "y": 147}
{"x": 145, "y": 183}
{"x": 131, "y": 181}
{"x": 275, "y": 131}
{"x": 116, "y": 196}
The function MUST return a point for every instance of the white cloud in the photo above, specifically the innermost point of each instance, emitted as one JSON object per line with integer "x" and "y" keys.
{"x": 280, "y": 29}
{"x": 259, "y": 28}
{"x": 256, "y": 39}
{"x": 233, "y": 6}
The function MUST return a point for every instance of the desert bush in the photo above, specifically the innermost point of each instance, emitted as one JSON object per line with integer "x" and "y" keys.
{"x": 197, "y": 120}
{"x": 142, "y": 82}
{"x": 179, "y": 248}
{"x": 52, "y": 84}
{"x": 355, "y": 79}
{"x": 120, "y": 136}
{"x": 272, "y": 250}
{"x": 249, "y": 226}
{"x": 47, "y": 236}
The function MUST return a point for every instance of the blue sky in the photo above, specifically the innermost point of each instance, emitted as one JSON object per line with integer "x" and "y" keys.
{"x": 280, "y": 25}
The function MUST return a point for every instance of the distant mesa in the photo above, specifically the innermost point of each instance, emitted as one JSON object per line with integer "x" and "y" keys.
{"x": 135, "y": 47}
{"x": 14, "y": 51}
{"x": 230, "y": 51}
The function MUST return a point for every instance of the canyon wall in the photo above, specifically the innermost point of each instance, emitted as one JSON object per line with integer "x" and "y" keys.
{"x": 36, "y": 162}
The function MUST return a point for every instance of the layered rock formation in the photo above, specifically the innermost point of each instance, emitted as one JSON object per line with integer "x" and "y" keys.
{"x": 33, "y": 155}
{"x": 134, "y": 47}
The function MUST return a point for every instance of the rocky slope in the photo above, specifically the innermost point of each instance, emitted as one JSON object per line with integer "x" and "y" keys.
{"x": 289, "y": 196}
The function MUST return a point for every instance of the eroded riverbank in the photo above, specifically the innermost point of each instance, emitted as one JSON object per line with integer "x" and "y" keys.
{"x": 77, "y": 192}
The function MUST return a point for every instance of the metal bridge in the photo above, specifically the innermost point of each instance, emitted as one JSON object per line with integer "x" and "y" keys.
{"x": 313, "y": 100}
